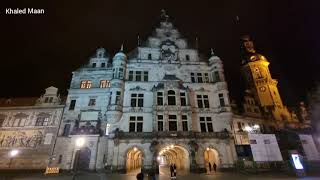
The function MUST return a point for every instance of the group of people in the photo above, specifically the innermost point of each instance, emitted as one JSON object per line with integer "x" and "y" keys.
{"x": 173, "y": 171}
{"x": 214, "y": 166}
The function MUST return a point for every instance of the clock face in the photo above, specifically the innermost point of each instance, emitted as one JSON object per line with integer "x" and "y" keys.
{"x": 262, "y": 89}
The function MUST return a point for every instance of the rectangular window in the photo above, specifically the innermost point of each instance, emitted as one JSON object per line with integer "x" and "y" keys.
{"x": 221, "y": 99}
{"x": 104, "y": 84}
{"x": 130, "y": 76}
{"x": 60, "y": 159}
{"x": 92, "y": 102}
{"x": 206, "y": 124}
{"x": 66, "y": 129}
{"x": 85, "y": 84}
{"x": 118, "y": 97}
{"x": 120, "y": 73}
{"x": 184, "y": 119}
{"x": 138, "y": 76}
{"x": 103, "y": 64}
{"x": 253, "y": 141}
{"x": 173, "y": 123}
{"x": 145, "y": 75}
{"x": 266, "y": 141}
{"x": 193, "y": 78}
{"x": 206, "y": 77}
{"x": 94, "y": 65}
{"x": 159, "y": 98}
{"x": 199, "y": 76}
{"x": 160, "y": 122}
{"x": 135, "y": 124}
{"x": 149, "y": 56}
{"x": 187, "y": 57}
{"x": 217, "y": 76}
{"x": 171, "y": 97}
{"x": 42, "y": 121}
{"x": 183, "y": 99}
{"x": 72, "y": 104}
{"x": 203, "y": 101}
{"x": 136, "y": 100}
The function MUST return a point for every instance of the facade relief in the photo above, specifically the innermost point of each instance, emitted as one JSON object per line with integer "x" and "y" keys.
{"x": 21, "y": 139}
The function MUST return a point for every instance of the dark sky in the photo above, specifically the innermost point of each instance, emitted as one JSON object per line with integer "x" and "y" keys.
{"x": 42, "y": 50}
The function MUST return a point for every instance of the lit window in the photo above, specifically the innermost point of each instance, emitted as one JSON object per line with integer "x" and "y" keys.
{"x": 85, "y": 84}
{"x": 173, "y": 123}
{"x": 184, "y": 119}
{"x": 136, "y": 100}
{"x": 92, "y": 102}
{"x": 171, "y": 97}
{"x": 135, "y": 124}
{"x": 159, "y": 98}
{"x": 183, "y": 99}
{"x": 221, "y": 99}
{"x": 104, "y": 83}
{"x": 160, "y": 122}
{"x": 206, "y": 124}
{"x": 72, "y": 104}
{"x": 203, "y": 101}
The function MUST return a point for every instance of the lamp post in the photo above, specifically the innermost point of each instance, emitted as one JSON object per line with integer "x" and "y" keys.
{"x": 78, "y": 145}
{"x": 13, "y": 153}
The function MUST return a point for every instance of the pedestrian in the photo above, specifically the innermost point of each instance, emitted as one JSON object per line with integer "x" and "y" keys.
{"x": 171, "y": 171}
{"x": 140, "y": 176}
{"x": 151, "y": 176}
{"x": 174, "y": 171}
{"x": 209, "y": 167}
{"x": 214, "y": 167}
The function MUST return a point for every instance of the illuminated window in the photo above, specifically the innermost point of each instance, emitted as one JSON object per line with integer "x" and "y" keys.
{"x": 92, "y": 102}
{"x": 183, "y": 99}
{"x": 135, "y": 124}
{"x": 184, "y": 119}
{"x": 136, "y": 100}
{"x": 160, "y": 122}
{"x": 173, "y": 123}
{"x": 104, "y": 83}
{"x": 159, "y": 98}
{"x": 85, "y": 84}
{"x": 171, "y": 97}
{"x": 203, "y": 101}
{"x": 206, "y": 124}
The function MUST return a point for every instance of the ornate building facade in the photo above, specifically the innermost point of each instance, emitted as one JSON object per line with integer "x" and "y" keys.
{"x": 157, "y": 105}
{"x": 29, "y": 126}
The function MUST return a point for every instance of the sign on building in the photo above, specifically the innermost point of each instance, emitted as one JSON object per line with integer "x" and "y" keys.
{"x": 265, "y": 147}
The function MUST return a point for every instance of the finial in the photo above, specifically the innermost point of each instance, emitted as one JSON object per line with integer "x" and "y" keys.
{"x": 121, "y": 49}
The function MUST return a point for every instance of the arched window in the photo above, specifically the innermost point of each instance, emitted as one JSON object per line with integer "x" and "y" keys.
{"x": 171, "y": 97}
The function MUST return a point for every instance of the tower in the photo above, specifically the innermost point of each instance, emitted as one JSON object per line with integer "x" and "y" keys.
{"x": 259, "y": 81}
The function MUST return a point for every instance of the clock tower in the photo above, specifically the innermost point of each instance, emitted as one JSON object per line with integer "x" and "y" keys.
{"x": 259, "y": 81}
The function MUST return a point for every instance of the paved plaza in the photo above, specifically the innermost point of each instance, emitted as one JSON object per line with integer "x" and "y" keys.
{"x": 101, "y": 176}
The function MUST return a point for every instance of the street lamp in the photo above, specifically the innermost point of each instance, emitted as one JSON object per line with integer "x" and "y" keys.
{"x": 13, "y": 153}
{"x": 78, "y": 144}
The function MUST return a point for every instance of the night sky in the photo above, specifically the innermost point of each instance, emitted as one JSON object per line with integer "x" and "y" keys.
{"x": 38, "y": 51}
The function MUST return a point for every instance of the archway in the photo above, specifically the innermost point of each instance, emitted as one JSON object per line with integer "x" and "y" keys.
{"x": 134, "y": 160}
{"x": 211, "y": 156}
{"x": 82, "y": 159}
{"x": 173, "y": 154}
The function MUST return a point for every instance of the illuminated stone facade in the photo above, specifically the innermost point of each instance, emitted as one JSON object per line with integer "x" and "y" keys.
{"x": 29, "y": 125}
{"x": 159, "y": 104}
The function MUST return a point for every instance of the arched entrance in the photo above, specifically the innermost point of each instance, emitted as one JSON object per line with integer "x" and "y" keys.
{"x": 211, "y": 156}
{"x": 134, "y": 160}
{"x": 173, "y": 154}
{"x": 82, "y": 159}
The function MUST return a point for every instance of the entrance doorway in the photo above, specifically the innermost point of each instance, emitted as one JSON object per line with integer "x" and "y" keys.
{"x": 82, "y": 159}
{"x": 211, "y": 156}
{"x": 173, "y": 154}
{"x": 134, "y": 161}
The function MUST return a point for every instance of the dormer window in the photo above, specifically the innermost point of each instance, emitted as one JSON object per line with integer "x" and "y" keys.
{"x": 94, "y": 65}
{"x": 85, "y": 84}
{"x": 187, "y": 57}
{"x": 103, "y": 64}
{"x": 149, "y": 56}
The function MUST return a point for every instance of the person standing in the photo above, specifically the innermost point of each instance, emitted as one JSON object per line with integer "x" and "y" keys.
{"x": 209, "y": 167}
{"x": 214, "y": 167}
{"x": 171, "y": 171}
{"x": 174, "y": 171}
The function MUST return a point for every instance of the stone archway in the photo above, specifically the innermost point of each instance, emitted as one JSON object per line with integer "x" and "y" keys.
{"x": 211, "y": 156}
{"x": 173, "y": 154}
{"x": 134, "y": 160}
